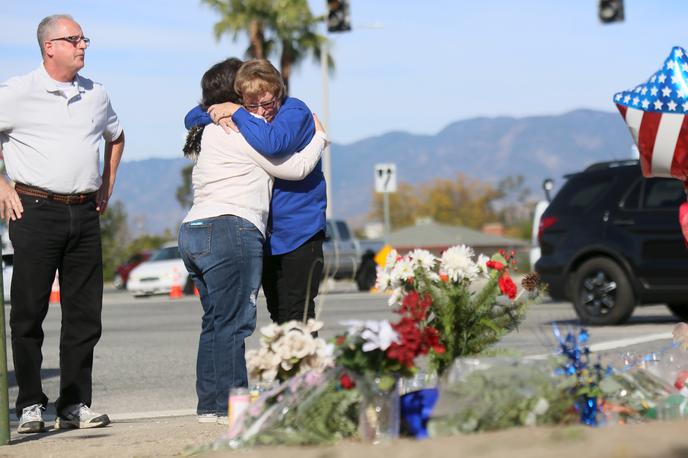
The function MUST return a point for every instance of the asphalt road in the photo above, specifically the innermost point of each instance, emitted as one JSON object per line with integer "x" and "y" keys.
{"x": 145, "y": 362}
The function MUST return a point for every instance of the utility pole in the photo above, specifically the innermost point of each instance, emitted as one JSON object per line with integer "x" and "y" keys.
{"x": 338, "y": 20}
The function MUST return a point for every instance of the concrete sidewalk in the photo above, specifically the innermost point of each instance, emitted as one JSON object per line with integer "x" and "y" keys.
{"x": 164, "y": 437}
{"x": 169, "y": 436}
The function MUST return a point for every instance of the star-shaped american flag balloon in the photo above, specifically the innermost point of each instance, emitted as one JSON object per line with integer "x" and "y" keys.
{"x": 656, "y": 114}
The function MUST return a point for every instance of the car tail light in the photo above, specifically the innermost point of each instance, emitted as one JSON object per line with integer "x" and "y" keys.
{"x": 545, "y": 223}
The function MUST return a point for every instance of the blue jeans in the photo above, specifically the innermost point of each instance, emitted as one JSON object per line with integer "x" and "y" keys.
{"x": 224, "y": 257}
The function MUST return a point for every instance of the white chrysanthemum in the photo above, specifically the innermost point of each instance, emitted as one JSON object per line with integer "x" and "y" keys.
{"x": 391, "y": 259}
{"x": 458, "y": 263}
{"x": 382, "y": 280}
{"x": 402, "y": 271}
{"x": 423, "y": 258}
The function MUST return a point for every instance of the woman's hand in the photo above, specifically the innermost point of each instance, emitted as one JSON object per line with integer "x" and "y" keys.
{"x": 318, "y": 125}
{"x": 222, "y": 110}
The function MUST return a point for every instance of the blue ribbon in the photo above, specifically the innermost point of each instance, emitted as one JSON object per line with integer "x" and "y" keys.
{"x": 416, "y": 407}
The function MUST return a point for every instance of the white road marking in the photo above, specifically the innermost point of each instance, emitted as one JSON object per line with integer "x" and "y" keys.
{"x": 151, "y": 414}
{"x": 612, "y": 344}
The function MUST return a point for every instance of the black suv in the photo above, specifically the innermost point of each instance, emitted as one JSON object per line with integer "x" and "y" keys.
{"x": 611, "y": 240}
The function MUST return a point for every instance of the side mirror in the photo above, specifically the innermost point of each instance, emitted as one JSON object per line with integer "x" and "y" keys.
{"x": 547, "y": 186}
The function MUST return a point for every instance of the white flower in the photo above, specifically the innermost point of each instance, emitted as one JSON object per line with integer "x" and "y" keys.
{"x": 378, "y": 334}
{"x": 313, "y": 325}
{"x": 402, "y": 271}
{"x": 271, "y": 331}
{"x": 396, "y": 297}
{"x": 423, "y": 258}
{"x": 355, "y": 326}
{"x": 298, "y": 345}
{"x": 382, "y": 280}
{"x": 458, "y": 264}
{"x": 541, "y": 406}
{"x": 482, "y": 263}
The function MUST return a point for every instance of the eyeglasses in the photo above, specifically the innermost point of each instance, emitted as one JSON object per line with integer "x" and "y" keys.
{"x": 74, "y": 39}
{"x": 264, "y": 105}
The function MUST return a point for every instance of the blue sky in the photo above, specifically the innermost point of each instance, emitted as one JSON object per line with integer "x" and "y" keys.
{"x": 431, "y": 64}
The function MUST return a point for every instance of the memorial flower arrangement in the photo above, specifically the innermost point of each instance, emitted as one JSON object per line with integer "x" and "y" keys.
{"x": 287, "y": 350}
{"x": 389, "y": 349}
{"x": 473, "y": 300}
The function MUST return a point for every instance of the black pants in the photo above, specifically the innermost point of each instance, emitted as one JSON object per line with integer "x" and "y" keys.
{"x": 291, "y": 280}
{"x": 53, "y": 236}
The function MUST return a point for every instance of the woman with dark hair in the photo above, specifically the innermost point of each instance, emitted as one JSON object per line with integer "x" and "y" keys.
{"x": 221, "y": 239}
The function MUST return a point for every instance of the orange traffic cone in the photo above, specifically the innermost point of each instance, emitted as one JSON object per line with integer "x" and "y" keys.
{"x": 55, "y": 292}
{"x": 196, "y": 292}
{"x": 176, "y": 289}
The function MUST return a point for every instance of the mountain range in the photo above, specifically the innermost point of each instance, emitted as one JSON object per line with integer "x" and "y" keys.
{"x": 489, "y": 149}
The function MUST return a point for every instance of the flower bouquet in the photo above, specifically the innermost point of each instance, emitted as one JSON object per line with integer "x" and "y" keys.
{"x": 310, "y": 408}
{"x": 288, "y": 349}
{"x": 473, "y": 302}
{"x": 378, "y": 353}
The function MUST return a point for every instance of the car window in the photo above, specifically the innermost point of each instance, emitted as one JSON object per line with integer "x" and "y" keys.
{"x": 343, "y": 231}
{"x": 631, "y": 200}
{"x": 663, "y": 193}
{"x": 167, "y": 253}
{"x": 580, "y": 192}
{"x": 328, "y": 230}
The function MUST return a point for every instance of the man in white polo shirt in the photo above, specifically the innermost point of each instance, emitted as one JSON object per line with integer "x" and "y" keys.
{"x": 51, "y": 123}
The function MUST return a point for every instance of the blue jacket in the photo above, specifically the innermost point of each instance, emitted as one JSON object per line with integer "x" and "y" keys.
{"x": 297, "y": 208}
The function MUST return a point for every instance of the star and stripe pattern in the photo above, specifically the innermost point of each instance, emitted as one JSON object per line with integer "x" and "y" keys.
{"x": 656, "y": 114}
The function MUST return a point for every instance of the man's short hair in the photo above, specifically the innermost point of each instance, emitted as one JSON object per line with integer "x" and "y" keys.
{"x": 46, "y": 26}
{"x": 258, "y": 76}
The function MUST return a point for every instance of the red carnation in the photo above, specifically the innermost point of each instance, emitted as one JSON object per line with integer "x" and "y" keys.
{"x": 346, "y": 382}
{"x": 507, "y": 285}
{"x": 496, "y": 265}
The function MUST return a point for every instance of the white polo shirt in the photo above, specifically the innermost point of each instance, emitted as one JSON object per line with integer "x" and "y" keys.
{"x": 51, "y": 131}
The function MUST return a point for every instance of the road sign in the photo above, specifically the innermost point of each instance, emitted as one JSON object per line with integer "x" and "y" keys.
{"x": 386, "y": 178}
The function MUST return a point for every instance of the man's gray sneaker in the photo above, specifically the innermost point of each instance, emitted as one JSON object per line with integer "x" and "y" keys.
{"x": 80, "y": 416}
{"x": 31, "y": 420}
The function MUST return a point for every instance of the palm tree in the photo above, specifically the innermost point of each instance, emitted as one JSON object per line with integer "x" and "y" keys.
{"x": 272, "y": 26}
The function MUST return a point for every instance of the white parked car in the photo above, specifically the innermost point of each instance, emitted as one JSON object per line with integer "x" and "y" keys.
{"x": 534, "y": 254}
{"x": 157, "y": 275}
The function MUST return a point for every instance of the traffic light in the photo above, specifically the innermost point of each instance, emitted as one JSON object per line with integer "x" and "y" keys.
{"x": 338, "y": 19}
{"x": 611, "y": 11}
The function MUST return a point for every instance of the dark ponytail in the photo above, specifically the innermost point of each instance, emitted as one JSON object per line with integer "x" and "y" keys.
{"x": 217, "y": 85}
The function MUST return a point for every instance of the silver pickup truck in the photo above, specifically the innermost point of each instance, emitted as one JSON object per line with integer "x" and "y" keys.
{"x": 348, "y": 257}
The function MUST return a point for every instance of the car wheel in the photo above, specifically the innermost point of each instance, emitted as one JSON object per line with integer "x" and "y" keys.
{"x": 602, "y": 294}
{"x": 680, "y": 310}
{"x": 117, "y": 282}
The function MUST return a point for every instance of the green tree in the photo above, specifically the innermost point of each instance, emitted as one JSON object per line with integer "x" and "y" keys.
{"x": 284, "y": 28}
{"x": 114, "y": 233}
{"x": 463, "y": 201}
{"x": 184, "y": 192}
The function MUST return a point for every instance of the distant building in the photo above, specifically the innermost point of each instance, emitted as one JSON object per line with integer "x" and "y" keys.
{"x": 436, "y": 238}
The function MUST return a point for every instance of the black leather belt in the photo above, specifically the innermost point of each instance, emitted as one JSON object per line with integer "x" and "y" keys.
{"x": 69, "y": 199}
